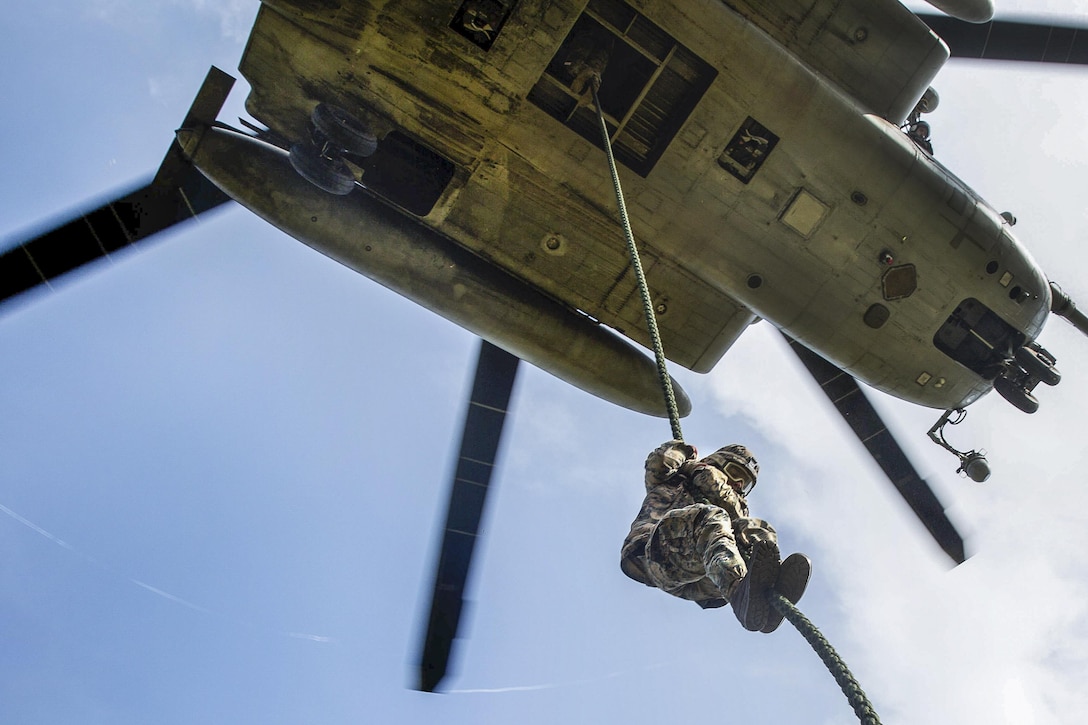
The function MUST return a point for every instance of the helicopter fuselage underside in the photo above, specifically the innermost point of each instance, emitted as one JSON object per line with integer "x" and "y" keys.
{"x": 781, "y": 191}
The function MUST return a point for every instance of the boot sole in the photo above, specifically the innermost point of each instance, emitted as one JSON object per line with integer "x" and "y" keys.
{"x": 793, "y": 576}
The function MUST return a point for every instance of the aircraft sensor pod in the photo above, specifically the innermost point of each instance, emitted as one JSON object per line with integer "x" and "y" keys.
{"x": 975, "y": 465}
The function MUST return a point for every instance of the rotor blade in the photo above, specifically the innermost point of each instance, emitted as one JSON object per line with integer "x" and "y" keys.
{"x": 177, "y": 193}
{"x": 1040, "y": 42}
{"x": 103, "y": 231}
{"x": 494, "y": 380}
{"x": 859, "y": 414}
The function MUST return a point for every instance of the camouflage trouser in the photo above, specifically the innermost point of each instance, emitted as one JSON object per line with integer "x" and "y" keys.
{"x": 694, "y": 546}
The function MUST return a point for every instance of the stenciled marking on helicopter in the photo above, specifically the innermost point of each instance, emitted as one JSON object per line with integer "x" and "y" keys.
{"x": 748, "y": 150}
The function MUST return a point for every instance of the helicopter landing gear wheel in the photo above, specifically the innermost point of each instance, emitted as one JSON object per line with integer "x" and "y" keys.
{"x": 1016, "y": 394}
{"x": 344, "y": 131}
{"x": 329, "y": 174}
{"x": 1037, "y": 366}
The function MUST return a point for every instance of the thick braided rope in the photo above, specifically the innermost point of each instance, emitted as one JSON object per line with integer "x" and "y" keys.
{"x": 862, "y": 708}
{"x": 636, "y": 264}
{"x": 835, "y": 665}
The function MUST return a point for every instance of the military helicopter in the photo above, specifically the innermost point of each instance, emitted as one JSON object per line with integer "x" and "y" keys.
{"x": 456, "y": 137}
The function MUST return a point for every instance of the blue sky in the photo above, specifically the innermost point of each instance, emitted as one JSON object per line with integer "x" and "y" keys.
{"x": 223, "y": 460}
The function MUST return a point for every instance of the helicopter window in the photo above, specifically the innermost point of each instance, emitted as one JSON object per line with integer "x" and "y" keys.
{"x": 804, "y": 212}
{"x": 1019, "y": 295}
{"x": 899, "y": 282}
{"x": 876, "y": 316}
{"x": 650, "y": 83}
{"x": 974, "y": 336}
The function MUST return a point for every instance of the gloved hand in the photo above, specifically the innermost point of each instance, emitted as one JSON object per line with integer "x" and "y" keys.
{"x": 668, "y": 459}
{"x": 690, "y": 467}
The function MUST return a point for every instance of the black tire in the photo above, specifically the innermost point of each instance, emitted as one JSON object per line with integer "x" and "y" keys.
{"x": 1016, "y": 395}
{"x": 343, "y": 130}
{"x": 1037, "y": 367}
{"x": 329, "y": 174}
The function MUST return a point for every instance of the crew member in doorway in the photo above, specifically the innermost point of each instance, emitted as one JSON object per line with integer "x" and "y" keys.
{"x": 695, "y": 539}
{"x": 585, "y": 58}
{"x": 919, "y": 133}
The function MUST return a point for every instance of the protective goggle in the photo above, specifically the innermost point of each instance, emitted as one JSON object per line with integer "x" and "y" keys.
{"x": 740, "y": 476}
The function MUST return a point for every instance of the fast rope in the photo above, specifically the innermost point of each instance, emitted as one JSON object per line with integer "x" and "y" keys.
{"x": 827, "y": 654}
{"x": 640, "y": 276}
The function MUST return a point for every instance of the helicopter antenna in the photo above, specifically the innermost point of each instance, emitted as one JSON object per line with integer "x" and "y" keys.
{"x": 827, "y": 654}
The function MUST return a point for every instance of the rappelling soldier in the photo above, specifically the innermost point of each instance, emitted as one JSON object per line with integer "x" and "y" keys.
{"x": 694, "y": 538}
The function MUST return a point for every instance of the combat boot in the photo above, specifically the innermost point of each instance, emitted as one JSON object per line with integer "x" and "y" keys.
{"x": 793, "y": 576}
{"x": 752, "y": 599}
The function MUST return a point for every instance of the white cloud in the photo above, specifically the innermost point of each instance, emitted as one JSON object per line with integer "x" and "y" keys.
{"x": 998, "y": 639}
{"x": 235, "y": 16}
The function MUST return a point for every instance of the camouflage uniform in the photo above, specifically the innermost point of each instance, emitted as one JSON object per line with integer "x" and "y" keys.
{"x": 686, "y": 537}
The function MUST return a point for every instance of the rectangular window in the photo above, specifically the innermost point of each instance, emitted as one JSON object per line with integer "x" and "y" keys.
{"x": 650, "y": 82}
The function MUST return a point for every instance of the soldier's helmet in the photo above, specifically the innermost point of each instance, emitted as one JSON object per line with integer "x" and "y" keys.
{"x": 738, "y": 464}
